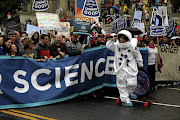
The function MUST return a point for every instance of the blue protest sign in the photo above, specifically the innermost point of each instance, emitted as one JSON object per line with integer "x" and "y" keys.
{"x": 156, "y": 30}
{"x": 30, "y": 28}
{"x": 40, "y": 5}
{"x": 118, "y": 24}
{"x": 170, "y": 28}
{"x": 81, "y": 27}
{"x": 90, "y": 9}
{"x": 137, "y": 16}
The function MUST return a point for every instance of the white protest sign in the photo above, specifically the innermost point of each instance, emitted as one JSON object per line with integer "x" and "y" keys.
{"x": 156, "y": 30}
{"x": 90, "y": 9}
{"x": 139, "y": 26}
{"x": 162, "y": 10}
{"x": 64, "y": 29}
{"x": 48, "y": 21}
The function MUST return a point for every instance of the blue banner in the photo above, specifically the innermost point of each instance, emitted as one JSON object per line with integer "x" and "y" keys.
{"x": 40, "y": 5}
{"x": 27, "y": 83}
{"x": 90, "y": 9}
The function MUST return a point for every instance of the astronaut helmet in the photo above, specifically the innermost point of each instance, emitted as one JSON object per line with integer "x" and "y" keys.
{"x": 126, "y": 35}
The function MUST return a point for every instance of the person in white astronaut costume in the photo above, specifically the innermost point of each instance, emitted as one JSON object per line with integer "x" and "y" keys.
{"x": 125, "y": 65}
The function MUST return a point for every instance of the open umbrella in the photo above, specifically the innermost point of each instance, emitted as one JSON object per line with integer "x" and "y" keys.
{"x": 133, "y": 31}
{"x": 153, "y": 7}
{"x": 115, "y": 7}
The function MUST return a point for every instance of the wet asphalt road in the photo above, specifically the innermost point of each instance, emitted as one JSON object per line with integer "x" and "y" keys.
{"x": 107, "y": 109}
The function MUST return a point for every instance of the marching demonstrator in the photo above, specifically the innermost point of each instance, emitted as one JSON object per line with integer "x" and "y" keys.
{"x": 125, "y": 65}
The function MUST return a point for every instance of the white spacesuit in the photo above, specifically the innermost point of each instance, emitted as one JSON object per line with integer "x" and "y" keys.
{"x": 125, "y": 66}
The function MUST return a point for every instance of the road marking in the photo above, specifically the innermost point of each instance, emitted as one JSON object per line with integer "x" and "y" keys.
{"x": 18, "y": 115}
{"x": 0, "y": 82}
{"x": 30, "y": 114}
{"x": 173, "y": 88}
{"x": 154, "y": 103}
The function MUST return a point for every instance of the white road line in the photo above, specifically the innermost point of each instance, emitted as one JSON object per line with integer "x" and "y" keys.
{"x": 154, "y": 103}
{"x": 173, "y": 88}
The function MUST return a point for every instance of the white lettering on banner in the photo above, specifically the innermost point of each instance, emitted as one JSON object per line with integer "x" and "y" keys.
{"x": 34, "y": 79}
{"x": 110, "y": 65}
{"x": 69, "y": 75}
{"x": 58, "y": 77}
{"x": 84, "y": 70}
{"x": 101, "y": 60}
{"x": 0, "y": 82}
{"x": 21, "y": 81}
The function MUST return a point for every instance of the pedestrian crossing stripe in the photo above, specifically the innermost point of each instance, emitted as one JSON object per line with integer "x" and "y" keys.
{"x": 0, "y": 82}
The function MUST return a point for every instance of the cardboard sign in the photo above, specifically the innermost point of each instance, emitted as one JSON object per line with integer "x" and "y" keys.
{"x": 48, "y": 21}
{"x": 40, "y": 5}
{"x": 90, "y": 9}
{"x": 156, "y": 30}
{"x": 64, "y": 29}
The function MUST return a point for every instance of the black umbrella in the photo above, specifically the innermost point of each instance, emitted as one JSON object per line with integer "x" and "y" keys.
{"x": 133, "y": 31}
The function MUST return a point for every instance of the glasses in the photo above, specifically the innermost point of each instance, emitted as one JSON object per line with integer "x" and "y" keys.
{"x": 115, "y": 36}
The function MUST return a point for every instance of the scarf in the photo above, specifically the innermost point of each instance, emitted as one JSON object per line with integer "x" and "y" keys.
{"x": 151, "y": 46}
{"x": 123, "y": 45}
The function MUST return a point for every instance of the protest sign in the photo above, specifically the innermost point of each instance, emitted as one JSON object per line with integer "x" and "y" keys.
{"x": 139, "y": 26}
{"x": 162, "y": 10}
{"x": 118, "y": 24}
{"x": 64, "y": 29}
{"x": 156, "y": 19}
{"x": 40, "y": 5}
{"x": 30, "y": 28}
{"x": 82, "y": 27}
{"x": 48, "y": 21}
{"x": 170, "y": 27}
{"x": 79, "y": 7}
{"x": 12, "y": 24}
{"x": 137, "y": 16}
{"x": 171, "y": 63}
{"x": 90, "y": 9}
{"x": 156, "y": 30}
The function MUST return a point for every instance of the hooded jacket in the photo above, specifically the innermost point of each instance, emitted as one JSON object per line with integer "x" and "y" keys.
{"x": 126, "y": 54}
{"x": 36, "y": 41}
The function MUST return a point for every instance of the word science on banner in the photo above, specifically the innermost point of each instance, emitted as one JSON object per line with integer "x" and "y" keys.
{"x": 29, "y": 83}
{"x": 118, "y": 24}
{"x": 82, "y": 27}
{"x": 40, "y": 5}
{"x": 156, "y": 30}
{"x": 48, "y": 21}
{"x": 90, "y": 9}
